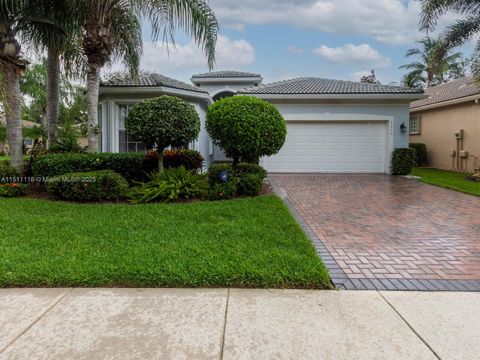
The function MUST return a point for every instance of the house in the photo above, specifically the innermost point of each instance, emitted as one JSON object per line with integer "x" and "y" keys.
{"x": 28, "y": 142}
{"x": 333, "y": 126}
{"x": 448, "y": 123}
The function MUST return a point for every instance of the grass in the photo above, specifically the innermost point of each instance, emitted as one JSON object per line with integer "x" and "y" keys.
{"x": 450, "y": 180}
{"x": 240, "y": 243}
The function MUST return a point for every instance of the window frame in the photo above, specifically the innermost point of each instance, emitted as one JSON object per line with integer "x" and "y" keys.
{"x": 417, "y": 120}
{"x": 137, "y": 144}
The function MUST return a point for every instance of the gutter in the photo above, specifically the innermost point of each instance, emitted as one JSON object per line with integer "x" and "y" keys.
{"x": 446, "y": 103}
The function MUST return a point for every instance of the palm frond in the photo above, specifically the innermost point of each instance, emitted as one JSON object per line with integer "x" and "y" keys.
{"x": 195, "y": 17}
{"x": 432, "y": 10}
{"x": 462, "y": 30}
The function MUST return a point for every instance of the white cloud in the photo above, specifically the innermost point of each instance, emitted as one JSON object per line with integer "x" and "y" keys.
{"x": 229, "y": 54}
{"x": 294, "y": 50}
{"x": 388, "y": 21}
{"x": 362, "y": 54}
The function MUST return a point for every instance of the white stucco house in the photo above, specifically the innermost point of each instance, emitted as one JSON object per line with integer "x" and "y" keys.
{"x": 333, "y": 126}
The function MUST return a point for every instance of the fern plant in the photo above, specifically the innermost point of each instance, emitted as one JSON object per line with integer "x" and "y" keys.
{"x": 170, "y": 185}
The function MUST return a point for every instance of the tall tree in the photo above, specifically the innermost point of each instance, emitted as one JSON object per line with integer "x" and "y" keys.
{"x": 462, "y": 30}
{"x": 20, "y": 21}
{"x": 112, "y": 31}
{"x": 435, "y": 61}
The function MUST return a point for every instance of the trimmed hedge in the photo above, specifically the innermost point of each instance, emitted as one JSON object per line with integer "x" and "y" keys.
{"x": 129, "y": 165}
{"x": 244, "y": 179}
{"x": 132, "y": 166}
{"x": 403, "y": 161}
{"x": 89, "y": 186}
{"x": 421, "y": 155}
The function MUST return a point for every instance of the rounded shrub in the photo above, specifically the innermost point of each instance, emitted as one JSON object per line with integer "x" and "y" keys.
{"x": 246, "y": 128}
{"x": 89, "y": 186}
{"x": 403, "y": 161}
{"x": 162, "y": 122}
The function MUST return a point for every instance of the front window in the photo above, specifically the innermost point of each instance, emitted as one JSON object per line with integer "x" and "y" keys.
{"x": 126, "y": 142}
{"x": 415, "y": 125}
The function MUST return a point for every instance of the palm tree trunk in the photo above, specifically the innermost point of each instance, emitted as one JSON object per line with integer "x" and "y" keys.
{"x": 93, "y": 83}
{"x": 53, "y": 95}
{"x": 12, "y": 98}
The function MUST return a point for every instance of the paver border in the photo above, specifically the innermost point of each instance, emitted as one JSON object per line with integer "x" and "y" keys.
{"x": 341, "y": 280}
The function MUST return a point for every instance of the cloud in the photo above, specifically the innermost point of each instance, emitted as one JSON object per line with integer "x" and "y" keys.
{"x": 294, "y": 50}
{"x": 229, "y": 54}
{"x": 387, "y": 21}
{"x": 362, "y": 54}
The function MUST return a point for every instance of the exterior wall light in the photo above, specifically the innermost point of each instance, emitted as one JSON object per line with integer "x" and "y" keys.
{"x": 403, "y": 128}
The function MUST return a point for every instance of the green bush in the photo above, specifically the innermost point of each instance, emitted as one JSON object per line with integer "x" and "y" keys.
{"x": 129, "y": 165}
{"x": 250, "y": 184}
{"x": 223, "y": 191}
{"x": 7, "y": 171}
{"x": 162, "y": 122}
{"x": 421, "y": 156}
{"x": 246, "y": 168}
{"x": 243, "y": 179}
{"x": 246, "y": 128}
{"x": 12, "y": 189}
{"x": 403, "y": 161}
{"x": 170, "y": 185}
{"x": 89, "y": 186}
{"x": 215, "y": 171}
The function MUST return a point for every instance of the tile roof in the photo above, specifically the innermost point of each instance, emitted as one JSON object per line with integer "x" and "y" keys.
{"x": 224, "y": 74}
{"x": 151, "y": 80}
{"x": 314, "y": 86}
{"x": 452, "y": 90}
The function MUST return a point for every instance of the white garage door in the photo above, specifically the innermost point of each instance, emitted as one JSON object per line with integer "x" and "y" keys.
{"x": 332, "y": 147}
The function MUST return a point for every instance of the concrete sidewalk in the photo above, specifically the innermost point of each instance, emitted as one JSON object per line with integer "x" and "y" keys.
{"x": 237, "y": 324}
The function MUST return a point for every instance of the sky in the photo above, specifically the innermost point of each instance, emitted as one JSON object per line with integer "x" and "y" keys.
{"x": 283, "y": 39}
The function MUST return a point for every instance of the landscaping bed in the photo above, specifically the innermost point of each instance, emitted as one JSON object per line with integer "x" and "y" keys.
{"x": 240, "y": 243}
{"x": 451, "y": 180}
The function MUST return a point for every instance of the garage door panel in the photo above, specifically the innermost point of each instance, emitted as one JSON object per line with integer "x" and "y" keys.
{"x": 331, "y": 147}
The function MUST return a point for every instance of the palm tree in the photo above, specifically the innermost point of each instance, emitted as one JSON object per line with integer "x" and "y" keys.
{"x": 435, "y": 62}
{"x": 462, "y": 30}
{"x": 112, "y": 31}
{"x": 19, "y": 20}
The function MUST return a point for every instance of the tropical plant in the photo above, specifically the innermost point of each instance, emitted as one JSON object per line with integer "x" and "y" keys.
{"x": 462, "y": 30}
{"x": 435, "y": 62}
{"x": 26, "y": 21}
{"x": 112, "y": 31}
{"x": 170, "y": 185}
{"x": 162, "y": 122}
{"x": 246, "y": 128}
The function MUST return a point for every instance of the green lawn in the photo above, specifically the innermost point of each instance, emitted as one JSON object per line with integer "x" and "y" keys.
{"x": 241, "y": 243}
{"x": 447, "y": 179}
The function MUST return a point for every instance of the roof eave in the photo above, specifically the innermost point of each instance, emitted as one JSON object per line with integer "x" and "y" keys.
{"x": 107, "y": 90}
{"x": 337, "y": 96}
{"x": 446, "y": 103}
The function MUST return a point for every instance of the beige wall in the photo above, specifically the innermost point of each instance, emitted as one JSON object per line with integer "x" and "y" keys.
{"x": 438, "y": 127}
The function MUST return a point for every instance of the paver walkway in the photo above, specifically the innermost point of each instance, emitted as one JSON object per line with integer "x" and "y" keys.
{"x": 385, "y": 232}
{"x": 237, "y": 324}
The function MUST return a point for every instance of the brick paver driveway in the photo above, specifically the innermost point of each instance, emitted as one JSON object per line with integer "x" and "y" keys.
{"x": 385, "y": 232}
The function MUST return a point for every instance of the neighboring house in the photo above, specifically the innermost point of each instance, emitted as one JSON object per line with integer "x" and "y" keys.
{"x": 448, "y": 123}
{"x": 25, "y": 124}
{"x": 333, "y": 126}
